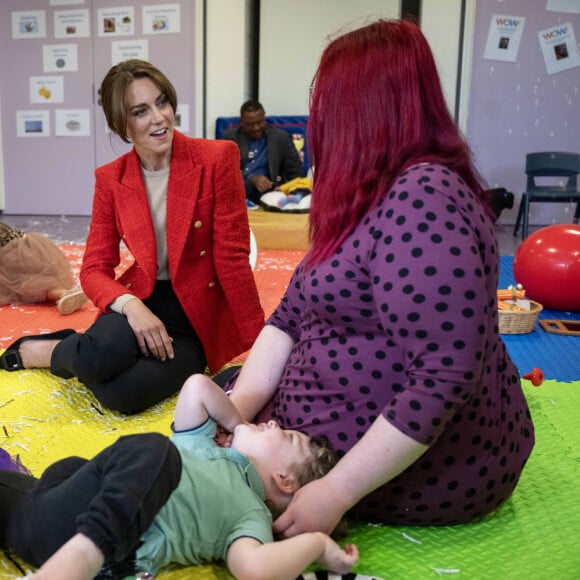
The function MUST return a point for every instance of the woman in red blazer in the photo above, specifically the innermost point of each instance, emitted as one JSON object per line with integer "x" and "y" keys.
{"x": 189, "y": 299}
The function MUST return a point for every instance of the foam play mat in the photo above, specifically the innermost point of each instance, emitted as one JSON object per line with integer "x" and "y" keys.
{"x": 534, "y": 536}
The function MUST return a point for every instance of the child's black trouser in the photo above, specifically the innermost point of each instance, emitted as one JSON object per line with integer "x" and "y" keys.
{"x": 112, "y": 499}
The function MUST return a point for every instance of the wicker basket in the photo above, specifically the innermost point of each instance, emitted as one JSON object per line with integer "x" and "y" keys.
{"x": 519, "y": 322}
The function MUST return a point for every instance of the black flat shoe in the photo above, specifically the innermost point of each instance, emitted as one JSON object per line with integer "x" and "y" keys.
{"x": 11, "y": 361}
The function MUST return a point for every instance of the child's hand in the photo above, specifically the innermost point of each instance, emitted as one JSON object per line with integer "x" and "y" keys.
{"x": 223, "y": 438}
{"x": 337, "y": 559}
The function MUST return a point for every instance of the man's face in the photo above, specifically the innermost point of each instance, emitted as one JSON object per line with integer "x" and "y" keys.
{"x": 253, "y": 123}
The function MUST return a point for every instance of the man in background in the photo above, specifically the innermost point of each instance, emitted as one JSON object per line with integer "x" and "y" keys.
{"x": 268, "y": 157}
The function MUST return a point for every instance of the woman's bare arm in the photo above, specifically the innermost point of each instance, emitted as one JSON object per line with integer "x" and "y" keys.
{"x": 262, "y": 371}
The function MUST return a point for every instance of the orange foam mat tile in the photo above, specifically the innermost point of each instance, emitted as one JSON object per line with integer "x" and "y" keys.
{"x": 272, "y": 272}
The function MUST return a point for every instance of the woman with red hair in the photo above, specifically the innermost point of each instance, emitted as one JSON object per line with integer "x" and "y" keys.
{"x": 386, "y": 340}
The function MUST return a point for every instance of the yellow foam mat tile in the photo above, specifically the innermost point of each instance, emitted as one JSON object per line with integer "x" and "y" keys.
{"x": 532, "y": 537}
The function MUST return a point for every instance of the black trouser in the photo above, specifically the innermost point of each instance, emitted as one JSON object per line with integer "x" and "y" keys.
{"x": 107, "y": 358}
{"x": 112, "y": 499}
{"x": 252, "y": 192}
{"x": 227, "y": 378}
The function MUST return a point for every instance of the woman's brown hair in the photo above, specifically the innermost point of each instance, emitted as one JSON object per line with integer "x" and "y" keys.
{"x": 114, "y": 90}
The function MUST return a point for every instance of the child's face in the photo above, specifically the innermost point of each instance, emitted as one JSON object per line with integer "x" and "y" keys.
{"x": 266, "y": 442}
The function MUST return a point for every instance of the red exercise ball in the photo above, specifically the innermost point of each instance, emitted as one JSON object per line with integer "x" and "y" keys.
{"x": 547, "y": 265}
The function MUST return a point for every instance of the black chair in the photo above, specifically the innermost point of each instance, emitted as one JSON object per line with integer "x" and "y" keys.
{"x": 549, "y": 164}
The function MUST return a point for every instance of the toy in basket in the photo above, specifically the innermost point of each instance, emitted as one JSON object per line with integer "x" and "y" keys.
{"x": 517, "y": 314}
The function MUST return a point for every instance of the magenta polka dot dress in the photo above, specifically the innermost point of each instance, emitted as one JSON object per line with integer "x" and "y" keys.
{"x": 402, "y": 322}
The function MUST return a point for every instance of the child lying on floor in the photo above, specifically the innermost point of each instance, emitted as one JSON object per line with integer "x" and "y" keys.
{"x": 147, "y": 501}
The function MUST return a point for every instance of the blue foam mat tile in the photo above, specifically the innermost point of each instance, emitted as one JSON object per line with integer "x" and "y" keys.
{"x": 557, "y": 355}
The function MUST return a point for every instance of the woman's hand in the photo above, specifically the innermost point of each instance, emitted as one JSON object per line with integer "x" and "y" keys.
{"x": 379, "y": 456}
{"x": 150, "y": 331}
{"x": 316, "y": 507}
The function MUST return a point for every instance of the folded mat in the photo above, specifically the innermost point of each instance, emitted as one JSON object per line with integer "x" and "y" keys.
{"x": 534, "y": 535}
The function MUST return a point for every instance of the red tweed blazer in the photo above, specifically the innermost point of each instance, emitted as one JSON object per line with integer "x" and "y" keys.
{"x": 208, "y": 242}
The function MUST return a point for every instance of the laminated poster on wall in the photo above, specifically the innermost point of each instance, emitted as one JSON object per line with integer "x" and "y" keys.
{"x": 126, "y": 49}
{"x": 60, "y": 58}
{"x": 29, "y": 24}
{"x": 162, "y": 19}
{"x": 32, "y": 123}
{"x": 559, "y": 48}
{"x": 72, "y": 122}
{"x": 47, "y": 89}
{"x": 503, "y": 38}
{"x": 182, "y": 117}
{"x": 72, "y": 24}
{"x": 116, "y": 21}
{"x": 568, "y": 6}
{"x": 65, "y": 2}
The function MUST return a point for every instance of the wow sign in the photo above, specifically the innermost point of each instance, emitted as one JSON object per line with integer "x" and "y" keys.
{"x": 503, "y": 40}
{"x": 559, "y": 48}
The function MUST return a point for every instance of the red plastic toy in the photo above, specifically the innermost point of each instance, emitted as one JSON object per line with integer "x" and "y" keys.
{"x": 547, "y": 265}
{"x": 536, "y": 376}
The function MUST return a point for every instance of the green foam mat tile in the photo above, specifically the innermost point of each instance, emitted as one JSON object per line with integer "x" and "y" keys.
{"x": 534, "y": 536}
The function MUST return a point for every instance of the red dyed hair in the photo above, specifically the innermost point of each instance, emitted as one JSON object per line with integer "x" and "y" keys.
{"x": 377, "y": 107}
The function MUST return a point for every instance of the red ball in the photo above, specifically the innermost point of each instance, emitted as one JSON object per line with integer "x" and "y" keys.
{"x": 547, "y": 265}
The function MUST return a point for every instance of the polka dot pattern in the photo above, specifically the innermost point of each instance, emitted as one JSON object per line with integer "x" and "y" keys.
{"x": 402, "y": 322}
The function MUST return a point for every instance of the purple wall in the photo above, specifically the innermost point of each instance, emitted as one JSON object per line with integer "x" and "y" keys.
{"x": 517, "y": 107}
{"x": 52, "y": 175}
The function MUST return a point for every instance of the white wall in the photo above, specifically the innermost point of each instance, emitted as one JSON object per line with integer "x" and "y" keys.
{"x": 438, "y": 20}
{"x": 292, "y": 38}
{"x": 441, "y": 24}
{"x": 467, "y": 64}
{"x": 226, "y": 72}
{"x": 294, "y": 34}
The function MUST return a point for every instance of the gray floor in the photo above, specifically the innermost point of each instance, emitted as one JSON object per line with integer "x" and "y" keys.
{"x": 74, "y": 229}
{"x": 60, "y": 229}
